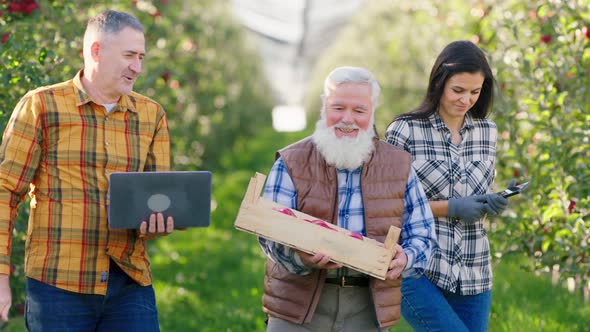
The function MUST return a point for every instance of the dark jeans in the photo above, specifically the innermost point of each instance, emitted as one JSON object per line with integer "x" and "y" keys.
{"x": 428, "y": 308}
{"x": 127, "y": 307}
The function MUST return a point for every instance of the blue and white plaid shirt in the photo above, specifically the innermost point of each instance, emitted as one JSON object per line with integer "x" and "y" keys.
{"x": 417, "y": 235}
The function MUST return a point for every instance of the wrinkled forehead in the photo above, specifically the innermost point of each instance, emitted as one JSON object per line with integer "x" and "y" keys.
{"x": 126, "y": 39}
{"x": 350, "y": 93}
{"x": 345, "y": 87}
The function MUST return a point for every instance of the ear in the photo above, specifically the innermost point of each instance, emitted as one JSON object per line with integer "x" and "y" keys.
{"x": 94, "y": 51}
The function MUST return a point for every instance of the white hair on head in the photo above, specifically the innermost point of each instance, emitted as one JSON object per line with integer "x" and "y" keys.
{"x": 348, "y": 74}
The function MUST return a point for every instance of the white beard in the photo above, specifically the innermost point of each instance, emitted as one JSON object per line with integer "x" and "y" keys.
{"x": 343, "y": 152}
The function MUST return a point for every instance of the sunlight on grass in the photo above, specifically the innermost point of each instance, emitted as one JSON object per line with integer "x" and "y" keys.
{"x": 169, "y": 296}
{"x": 210, "y": 280}
{"x": 521, "y": 300}
{"x": 221, "y": 272}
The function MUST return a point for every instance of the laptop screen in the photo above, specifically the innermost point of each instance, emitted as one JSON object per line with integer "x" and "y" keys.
{"x": 186, "y": 196}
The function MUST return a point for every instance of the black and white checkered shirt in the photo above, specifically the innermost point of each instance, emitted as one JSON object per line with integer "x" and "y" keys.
{"x": 446, "y": 170}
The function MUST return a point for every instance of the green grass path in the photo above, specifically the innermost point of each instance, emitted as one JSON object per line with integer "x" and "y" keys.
{"x": 210, "y": 280}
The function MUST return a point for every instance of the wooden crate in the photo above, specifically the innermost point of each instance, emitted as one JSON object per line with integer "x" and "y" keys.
{"x": 261, "y": 217}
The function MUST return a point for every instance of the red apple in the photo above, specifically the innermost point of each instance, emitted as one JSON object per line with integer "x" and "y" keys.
{"x": 356, "y": 235}
{"x": 515, "y": 173}
{"x": 5, "y": 38}
{"x": 166, "y": 76}
{"x": 14, "y": 7}
{"x": 572, "y": 206}
{"x": 31, "y": 7}
{"x": 286, "y": 211}
{"x": 320, "y": 223}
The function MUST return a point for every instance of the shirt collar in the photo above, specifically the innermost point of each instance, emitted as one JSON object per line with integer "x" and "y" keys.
{"x": 438, "y": 123}
{"x": 125, "y": 103}
{"x": 350, "y": 171}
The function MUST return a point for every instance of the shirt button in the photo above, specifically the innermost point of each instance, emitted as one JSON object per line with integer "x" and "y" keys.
{"x": 106, "y": 143}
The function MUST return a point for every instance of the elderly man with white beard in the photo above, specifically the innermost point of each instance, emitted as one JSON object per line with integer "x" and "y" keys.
{"x": 345, "y": 175}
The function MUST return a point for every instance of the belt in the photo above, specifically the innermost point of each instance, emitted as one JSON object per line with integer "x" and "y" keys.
{"x": 349, "y": 281}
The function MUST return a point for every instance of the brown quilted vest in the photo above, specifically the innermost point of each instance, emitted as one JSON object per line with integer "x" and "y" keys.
{"x": 383, "y": 183}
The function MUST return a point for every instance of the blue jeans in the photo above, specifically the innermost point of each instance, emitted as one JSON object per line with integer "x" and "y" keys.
{"x": 127, "y": 306}
{"x": 428, "y": 308}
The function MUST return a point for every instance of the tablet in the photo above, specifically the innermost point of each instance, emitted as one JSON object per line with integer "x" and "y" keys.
{"x": 133, "y": 196}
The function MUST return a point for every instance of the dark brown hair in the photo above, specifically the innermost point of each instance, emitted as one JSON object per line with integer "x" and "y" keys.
{"x": 458, "y": 57}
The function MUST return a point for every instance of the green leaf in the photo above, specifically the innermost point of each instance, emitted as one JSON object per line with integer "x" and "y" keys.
{"x": 545, "y": 245}
{"x": 42, "y": 55}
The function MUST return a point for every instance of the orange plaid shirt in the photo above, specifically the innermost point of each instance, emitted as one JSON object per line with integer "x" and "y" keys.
{"x": 60, "y": 146}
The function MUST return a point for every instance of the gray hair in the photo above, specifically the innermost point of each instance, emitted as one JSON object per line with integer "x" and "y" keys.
{"x": 112, "y": 22}
{"x": 354, "y": 75}
{"x": 109, "y": 22}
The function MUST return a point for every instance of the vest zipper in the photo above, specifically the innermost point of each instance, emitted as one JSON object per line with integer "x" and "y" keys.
{"x": 335, "y": 201}
{"x": 367, "y": 234}
{"x": 317, "y": 285}
{"x": 334, "y": 212}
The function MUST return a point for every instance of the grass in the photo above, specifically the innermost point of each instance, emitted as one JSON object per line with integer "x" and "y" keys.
{"x": 216, "y": 286}
{"x": 211, "y": 280}
{"x": 524, "y": 302}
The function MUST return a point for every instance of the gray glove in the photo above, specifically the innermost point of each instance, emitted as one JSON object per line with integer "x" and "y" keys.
{"x": 496, "y": 204}
{"x": 472, "y": 208}
{"x": 468, "y": 209}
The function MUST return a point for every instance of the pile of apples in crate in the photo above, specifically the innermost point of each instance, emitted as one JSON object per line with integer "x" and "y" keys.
{"x": 321, "y": 223}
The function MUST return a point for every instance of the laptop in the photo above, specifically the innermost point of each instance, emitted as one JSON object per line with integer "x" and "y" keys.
{"x": 186, "y": 196}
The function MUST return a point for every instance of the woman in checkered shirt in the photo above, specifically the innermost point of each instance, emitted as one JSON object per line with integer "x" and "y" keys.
{"x": 453, "y": 146}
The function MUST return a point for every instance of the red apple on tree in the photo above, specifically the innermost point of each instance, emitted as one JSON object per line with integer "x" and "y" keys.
{"x": 572, "y": 206}
{"x": 546, "y": 38}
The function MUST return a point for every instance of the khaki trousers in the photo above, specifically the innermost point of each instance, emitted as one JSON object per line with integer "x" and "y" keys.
{"x": 340, "y": 309}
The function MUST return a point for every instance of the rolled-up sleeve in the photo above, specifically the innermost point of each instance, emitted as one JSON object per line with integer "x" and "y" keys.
{"x": 418, "y": 234}
{"x": 280, "y": 189}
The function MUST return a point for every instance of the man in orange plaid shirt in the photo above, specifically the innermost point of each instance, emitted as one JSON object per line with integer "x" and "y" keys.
{"x": 61, "y": 144}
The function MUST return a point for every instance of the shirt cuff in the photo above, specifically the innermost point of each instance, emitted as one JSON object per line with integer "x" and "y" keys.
{"x": 411, "y": 259}
{"x": 302, "y": 269}
{"x": 412, "y": 273}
